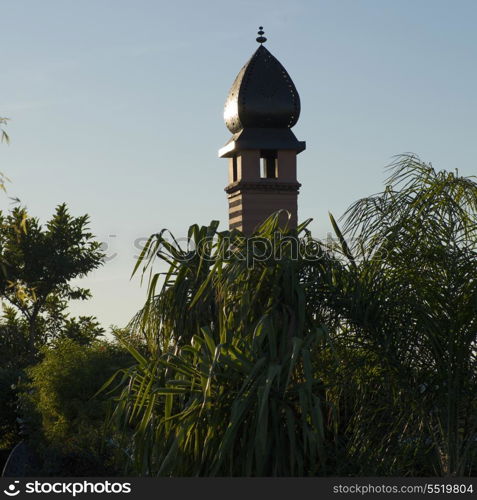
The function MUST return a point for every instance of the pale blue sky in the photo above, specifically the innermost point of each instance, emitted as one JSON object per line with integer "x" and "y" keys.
{"x": 116, "y": 107}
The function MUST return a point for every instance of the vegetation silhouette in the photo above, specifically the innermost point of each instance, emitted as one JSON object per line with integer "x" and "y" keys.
{"x": 359, "y": 362}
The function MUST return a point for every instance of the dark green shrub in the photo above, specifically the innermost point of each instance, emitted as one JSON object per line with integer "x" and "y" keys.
{"x": 64, "y": 418}
{"x": 8, "y": 427}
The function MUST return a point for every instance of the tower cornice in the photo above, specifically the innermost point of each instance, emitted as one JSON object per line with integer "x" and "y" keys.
{"x": 263, "y": 185}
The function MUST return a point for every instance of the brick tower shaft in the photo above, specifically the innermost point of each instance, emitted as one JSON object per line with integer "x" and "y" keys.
{"x": 259, "y": 186}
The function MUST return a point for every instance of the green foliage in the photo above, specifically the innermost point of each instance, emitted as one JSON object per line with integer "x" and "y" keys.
{"x": 9, "y": 377}
{"x": 359, "y": 362}
{"x": 36, "y": 267}
{"x": 14, "y": 357}
{"x": 13, "y": 340}
{"x": 229, "y": 387}
{"x": 39, "y": 263}
{"x": 65, "y": 420}
{"x": 410, "y": 308}
{"x": 52, "y": 326}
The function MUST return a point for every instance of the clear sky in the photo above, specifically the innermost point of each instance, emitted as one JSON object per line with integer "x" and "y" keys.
{"x": 116, "y": 107}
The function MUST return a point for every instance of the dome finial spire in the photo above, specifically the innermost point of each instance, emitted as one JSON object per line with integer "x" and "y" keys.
{"x": 260, "y": 38}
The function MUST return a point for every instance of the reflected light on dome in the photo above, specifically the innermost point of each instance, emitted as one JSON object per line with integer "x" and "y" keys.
{"x": 230, "y": 110}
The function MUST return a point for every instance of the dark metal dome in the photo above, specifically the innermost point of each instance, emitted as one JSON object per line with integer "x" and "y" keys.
{"x": 262, "y": 96}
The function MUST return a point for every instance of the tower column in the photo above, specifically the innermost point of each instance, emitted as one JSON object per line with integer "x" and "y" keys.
{"x": 261, "y": 108}
{"x": 287, "y": 165}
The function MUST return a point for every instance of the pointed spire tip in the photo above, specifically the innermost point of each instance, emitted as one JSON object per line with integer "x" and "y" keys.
{"x": 260, "y": 38}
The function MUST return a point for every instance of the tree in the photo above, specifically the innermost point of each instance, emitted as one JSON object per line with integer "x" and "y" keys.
{"x": 54, "y": 323}
{"x": 227, "y": 387}
{"x": 13, "y": 359}
{"x": 359, "y": 361}
{"x": 40, "y": 262}
{"x": 407, "y": 303}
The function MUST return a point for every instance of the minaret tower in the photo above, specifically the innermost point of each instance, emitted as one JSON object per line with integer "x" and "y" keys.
{"x": 261, "y": 108}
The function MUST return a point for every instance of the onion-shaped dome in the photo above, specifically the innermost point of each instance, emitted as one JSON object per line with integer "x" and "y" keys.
{"x": 262, "y": 96}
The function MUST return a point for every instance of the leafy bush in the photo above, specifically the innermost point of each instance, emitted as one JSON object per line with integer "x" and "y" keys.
{"x": 15, "y": 356}
{"x": 64, "y": 418}
{"x": 37, "y": 265}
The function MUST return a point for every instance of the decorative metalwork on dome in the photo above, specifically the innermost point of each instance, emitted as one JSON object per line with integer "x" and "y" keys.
{"x": 263, "y": 95}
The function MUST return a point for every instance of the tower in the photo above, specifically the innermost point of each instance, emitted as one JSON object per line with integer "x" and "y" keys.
{"x": 261, "y": 108}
